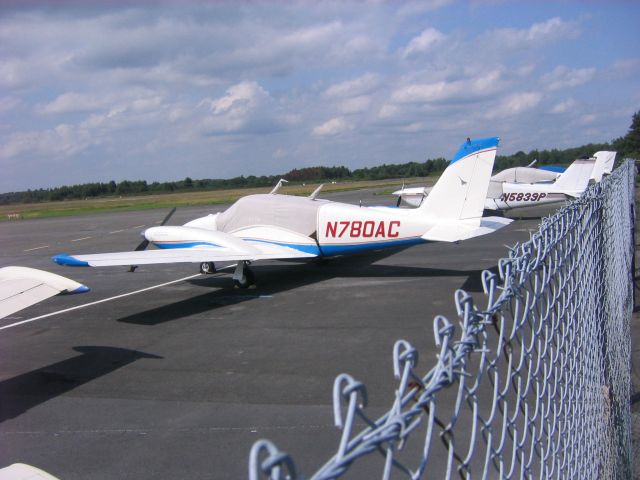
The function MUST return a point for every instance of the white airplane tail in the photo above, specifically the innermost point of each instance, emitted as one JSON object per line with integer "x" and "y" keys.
{"x": 574, "y": 180}
{"x": 604, "y": 164}
{"x": 456, "y": 202}
{"x": 460, "y": 192}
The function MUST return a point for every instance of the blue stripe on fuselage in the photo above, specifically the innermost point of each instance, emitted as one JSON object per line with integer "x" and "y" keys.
{"x": 306, "y": 248}
{"x": 343, "y": 249}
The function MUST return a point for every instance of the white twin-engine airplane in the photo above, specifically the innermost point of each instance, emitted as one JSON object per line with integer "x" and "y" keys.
{"x": 272, "y": 226}
{"x": 527, "y": 187}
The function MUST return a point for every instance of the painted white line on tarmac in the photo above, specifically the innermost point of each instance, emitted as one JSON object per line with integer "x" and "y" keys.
{"x": 35, "y": 248}
{"x": 139, "y": 226}
{"x": 98, "y": 301}
{"x": 115, "y": 231}
{"x": 79, "y": 239}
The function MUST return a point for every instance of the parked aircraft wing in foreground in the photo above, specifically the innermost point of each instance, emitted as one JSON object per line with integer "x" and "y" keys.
{"x": 274, "y": 226}
{"x": 22, "y": 471}
{"x": 21, "y": 287}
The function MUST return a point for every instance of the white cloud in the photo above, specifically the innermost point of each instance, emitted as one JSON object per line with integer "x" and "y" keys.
{"x": 8, "y": 103}
{"x": 538, "y": 35}
{"x": 246, "y": 108}
{"x": 63, "y": 140}
{"x": 355, "y": 105}
{"x": 565, "y": 77}
{"x": 515, "y": 104}
{"x": 626, "y": 66}
{"x": 241, "y": 97}
{"x": 458, "y": 90}
{"x": 356, "y": 87}
{"x": 72, "y": 102}
{"x": 414, "y": 8}
{"x": 413, "y": 127}
{"x": 564, "y": 106}
{"x": 423, "y": 43}
{"x": 588, "y": 119}
{"x": 332, "y": 127}
{"x": 12, "y": 74}
{"x": 388, "y": 110}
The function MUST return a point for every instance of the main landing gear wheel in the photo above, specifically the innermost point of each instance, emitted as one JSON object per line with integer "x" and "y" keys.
{"x": 243, "y": 277}
{"x": 207, "y": 268}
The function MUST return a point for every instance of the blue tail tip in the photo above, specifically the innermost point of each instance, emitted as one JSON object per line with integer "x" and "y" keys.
{"x": 68, "y": 260}
{"x": 475, "y": 145}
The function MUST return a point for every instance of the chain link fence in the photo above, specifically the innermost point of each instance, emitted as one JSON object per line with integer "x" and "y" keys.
{"x": 533, "y": 383}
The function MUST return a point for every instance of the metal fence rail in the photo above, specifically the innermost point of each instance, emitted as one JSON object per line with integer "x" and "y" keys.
{"x": 537, "y": 383}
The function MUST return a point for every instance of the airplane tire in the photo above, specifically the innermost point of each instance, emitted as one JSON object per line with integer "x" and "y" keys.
{"x": 248, "y": 280}
{"x": 207, "y": 268}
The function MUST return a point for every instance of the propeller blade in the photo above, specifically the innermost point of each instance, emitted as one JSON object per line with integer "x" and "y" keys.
{"x": 399, "y": 200}
{"x": 145, "y": 243}
{"x": 142, "y": 246}
{"x": 166, "y": 219}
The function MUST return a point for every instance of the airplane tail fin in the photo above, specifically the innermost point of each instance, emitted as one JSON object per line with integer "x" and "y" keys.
{"x": 576, "y": 177}
{"x": 604, "y": 164}
{"x": 460, "y": 192}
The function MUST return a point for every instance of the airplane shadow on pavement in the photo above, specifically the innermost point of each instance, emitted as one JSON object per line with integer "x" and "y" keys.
{"x": 277, "y": 278}
{"x": 21, "y": 393}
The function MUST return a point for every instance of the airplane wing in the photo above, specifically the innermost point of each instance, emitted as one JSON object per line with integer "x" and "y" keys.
{"x": 204, "y": 253}
{"x": 22, "y": 471}
{"x": 21, "y": 287}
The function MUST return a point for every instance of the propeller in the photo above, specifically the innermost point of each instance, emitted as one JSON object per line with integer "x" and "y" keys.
{"x": 400, "y": 196}
{"x": 145, "y": 243}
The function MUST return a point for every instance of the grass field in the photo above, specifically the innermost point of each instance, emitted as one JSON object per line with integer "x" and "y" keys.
{"x": 143, "y": 202}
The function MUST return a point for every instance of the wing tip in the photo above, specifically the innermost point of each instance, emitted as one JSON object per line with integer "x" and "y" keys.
{"x": 81, "y": 289}
{"x": 68, "y": 260}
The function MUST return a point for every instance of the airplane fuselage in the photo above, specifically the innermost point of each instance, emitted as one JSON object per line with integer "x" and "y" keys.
{"x": 320, "y": 227}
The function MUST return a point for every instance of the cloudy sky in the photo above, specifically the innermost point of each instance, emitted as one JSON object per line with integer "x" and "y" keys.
{"x": 99, "y": 91}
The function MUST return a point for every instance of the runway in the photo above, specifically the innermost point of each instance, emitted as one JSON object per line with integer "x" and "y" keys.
{"x": 164, "y": 373}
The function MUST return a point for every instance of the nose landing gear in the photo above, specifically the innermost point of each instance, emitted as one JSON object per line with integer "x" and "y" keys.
{"x": 207, "y": 267}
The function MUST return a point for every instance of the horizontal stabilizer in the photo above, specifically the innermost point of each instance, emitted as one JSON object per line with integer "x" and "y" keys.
{"x": 454, "y": 232}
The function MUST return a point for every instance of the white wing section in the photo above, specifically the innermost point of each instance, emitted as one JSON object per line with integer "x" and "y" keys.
{"x": 21, "y": 471}
{"x": 252, "y": 251}
{"x": 21, "y": 287}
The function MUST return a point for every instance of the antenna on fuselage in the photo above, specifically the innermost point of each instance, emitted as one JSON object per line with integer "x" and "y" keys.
{"x": 278, "y": 186}
{"x": 316, "y": 192}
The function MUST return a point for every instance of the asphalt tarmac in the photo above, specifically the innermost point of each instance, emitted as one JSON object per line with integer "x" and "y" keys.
{"x": 180, "y": 380}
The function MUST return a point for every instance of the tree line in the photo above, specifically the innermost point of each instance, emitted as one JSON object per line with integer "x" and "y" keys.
{"x": 627, "y": 146}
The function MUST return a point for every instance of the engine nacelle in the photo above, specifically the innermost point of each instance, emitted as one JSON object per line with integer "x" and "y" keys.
{"x": 191, "y": 237}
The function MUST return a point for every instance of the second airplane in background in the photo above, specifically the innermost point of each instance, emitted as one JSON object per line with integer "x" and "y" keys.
{"x": 273, "y": 226}
{"x": 527, "y": 187}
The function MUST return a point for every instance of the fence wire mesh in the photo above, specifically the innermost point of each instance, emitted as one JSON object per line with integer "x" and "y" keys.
{"x": 537, "y": 383}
